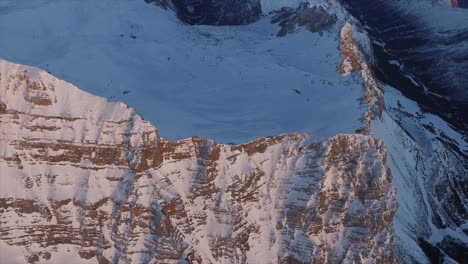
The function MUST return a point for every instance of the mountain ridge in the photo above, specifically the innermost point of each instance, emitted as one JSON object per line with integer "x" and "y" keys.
{"x": 93, "y": 170}
{"x": 172, "y": 189}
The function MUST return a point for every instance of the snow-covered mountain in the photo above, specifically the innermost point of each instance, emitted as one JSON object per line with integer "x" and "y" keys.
{"x": 89, "y": 180}
{"x": 85, "y": 179}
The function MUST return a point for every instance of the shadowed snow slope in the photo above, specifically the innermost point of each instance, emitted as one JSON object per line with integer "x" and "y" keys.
{"x": 232, "y": 84}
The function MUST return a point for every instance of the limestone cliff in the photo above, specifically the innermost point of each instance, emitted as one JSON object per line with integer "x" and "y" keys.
{"x": 86, "y": 179}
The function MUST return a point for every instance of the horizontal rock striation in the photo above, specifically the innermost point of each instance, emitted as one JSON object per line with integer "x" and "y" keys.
{"x": 89, "y": 179}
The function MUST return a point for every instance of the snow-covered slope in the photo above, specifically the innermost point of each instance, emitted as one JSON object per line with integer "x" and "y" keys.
{"x": 86, "y": 180}
{"x": 231, "y": 84}
{"x": 430, "y": 176}
{"x": 428, "y": 159}
{"x": 110, "y": 188}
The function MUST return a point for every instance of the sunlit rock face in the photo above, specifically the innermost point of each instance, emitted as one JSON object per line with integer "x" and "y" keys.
{"x": 89, "y": 180}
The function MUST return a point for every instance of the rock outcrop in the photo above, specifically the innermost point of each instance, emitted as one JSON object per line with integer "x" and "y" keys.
{"x": 427, "y": 157}
{"x": 213, "y": 12}
{"x": 315, "y": 18}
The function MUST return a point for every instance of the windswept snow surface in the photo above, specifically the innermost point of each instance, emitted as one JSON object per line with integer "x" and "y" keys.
{"x": 232, "y": 84}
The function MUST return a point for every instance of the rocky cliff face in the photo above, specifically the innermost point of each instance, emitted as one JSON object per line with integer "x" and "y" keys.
{"x": 427, "y": 156}
{"x": 415, "y": 53}
{"x": 89, "y": 180}
{"x": 83, "y": 180}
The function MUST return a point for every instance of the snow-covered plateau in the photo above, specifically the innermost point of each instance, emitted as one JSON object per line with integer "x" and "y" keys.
{"x": 268, "y": 141}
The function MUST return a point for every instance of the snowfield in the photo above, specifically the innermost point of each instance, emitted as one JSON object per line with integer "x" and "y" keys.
{"x": 231, "y": 84}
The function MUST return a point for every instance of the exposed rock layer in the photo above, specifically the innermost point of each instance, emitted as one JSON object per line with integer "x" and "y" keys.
{"x": 83, "y": 175}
